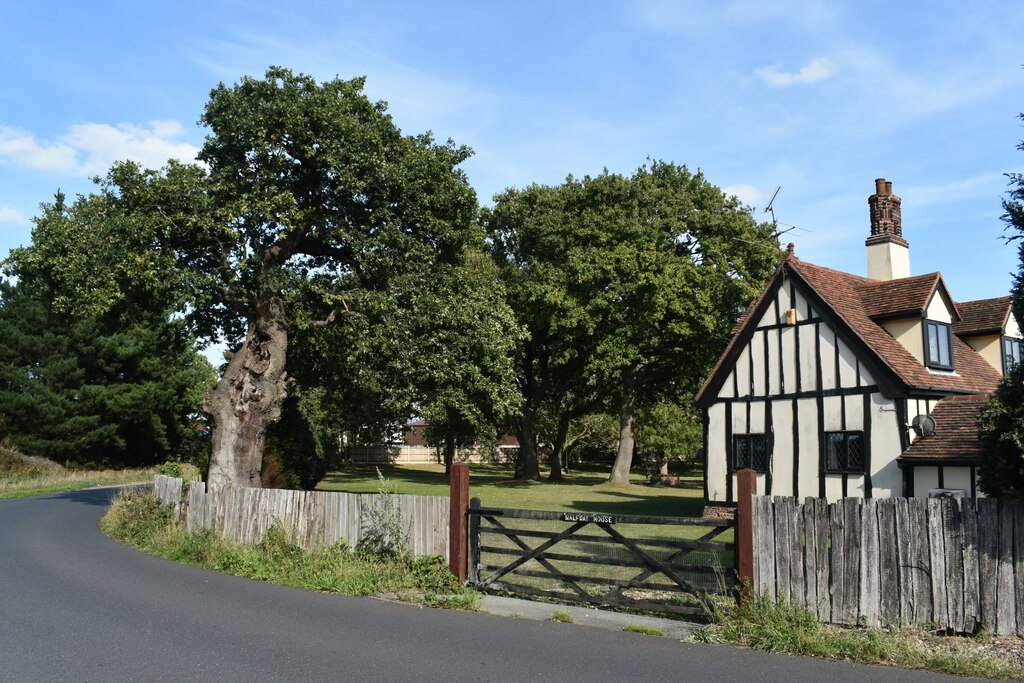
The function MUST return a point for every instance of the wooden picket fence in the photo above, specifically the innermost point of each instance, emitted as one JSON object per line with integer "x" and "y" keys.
{"x": 315, "y": 518}
{"x": 957, "y": 564}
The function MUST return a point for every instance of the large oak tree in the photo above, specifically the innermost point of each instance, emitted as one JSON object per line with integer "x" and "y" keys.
{"x": 628, "y": 287}
{"x": 309, "y": 207}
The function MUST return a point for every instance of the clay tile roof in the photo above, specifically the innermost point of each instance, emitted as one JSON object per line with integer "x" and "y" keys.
{"x": 984, "y": 316}
{"x": 854, "y": 300}
{"x": 956, "y": 431}
{"x": 907, "y": 296}
{"x": 843, "y": 293}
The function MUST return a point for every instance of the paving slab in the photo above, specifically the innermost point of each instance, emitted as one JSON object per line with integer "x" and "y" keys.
{"x": 586, "y": 616}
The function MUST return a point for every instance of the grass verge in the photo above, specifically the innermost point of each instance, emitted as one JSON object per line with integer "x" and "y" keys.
{"x": 773, "y": 627}
{"x": 22, "y": 476}
{"x": 139, "y": 520}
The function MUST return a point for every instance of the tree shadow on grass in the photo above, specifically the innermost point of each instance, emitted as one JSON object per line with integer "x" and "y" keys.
{"x": 638, "y": 504}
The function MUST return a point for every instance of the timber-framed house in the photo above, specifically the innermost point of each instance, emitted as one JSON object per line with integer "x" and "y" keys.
{"x": 836, "y": 385}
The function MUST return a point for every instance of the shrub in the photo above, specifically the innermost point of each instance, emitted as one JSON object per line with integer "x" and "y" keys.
{"x": 136, "y": 518}
{"x": 170, "y": 469}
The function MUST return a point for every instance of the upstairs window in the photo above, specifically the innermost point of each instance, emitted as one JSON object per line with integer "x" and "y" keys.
{"x": 845, "y": 452}
{"x": 938, "y": 348}
{"x": 1011, "y": 354}
{"x": 750, "y": 451}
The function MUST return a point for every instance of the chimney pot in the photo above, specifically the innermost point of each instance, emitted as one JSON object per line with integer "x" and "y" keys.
{"x": 888, "y": 187}
{"x": 880, "y": 186}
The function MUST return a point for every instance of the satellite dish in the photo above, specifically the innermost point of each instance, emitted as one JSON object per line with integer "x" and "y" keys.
{"x": 923, "y": 425}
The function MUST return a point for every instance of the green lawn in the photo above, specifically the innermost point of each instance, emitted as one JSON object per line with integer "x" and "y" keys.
{"x": 582, "y": 490}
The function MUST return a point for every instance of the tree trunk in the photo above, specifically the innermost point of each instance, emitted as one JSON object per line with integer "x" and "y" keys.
{"x": 527, "y": 463}
{"x": 248, "y": 399}
{"x": 557, "y": 448}
{"x": 624, "y": 458}
{"x": 449, "y": 455}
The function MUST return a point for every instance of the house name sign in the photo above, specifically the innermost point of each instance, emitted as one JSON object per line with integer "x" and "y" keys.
{"x": 580, "y": 517}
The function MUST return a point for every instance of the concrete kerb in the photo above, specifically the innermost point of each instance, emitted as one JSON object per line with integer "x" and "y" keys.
{"x": 585, "y": 616}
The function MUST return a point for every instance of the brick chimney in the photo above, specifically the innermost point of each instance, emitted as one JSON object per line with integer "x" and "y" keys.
{"x": 888, "y": 252}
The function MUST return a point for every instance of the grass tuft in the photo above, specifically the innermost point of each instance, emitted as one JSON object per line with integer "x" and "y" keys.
{"x": 778, "y": 627}
{"x": 562, "y": 616}
{"x": 646, "y": 630}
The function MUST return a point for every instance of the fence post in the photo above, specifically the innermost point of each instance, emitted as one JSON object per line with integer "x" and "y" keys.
{"x": 746, "y": 488}
{"x": 459, "y": 500}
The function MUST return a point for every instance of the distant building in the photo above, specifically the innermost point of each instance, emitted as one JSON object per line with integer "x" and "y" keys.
{"x": 412, "y": 446}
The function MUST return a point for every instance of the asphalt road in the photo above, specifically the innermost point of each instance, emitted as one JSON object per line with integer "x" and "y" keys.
{"x": 76, "y": 605}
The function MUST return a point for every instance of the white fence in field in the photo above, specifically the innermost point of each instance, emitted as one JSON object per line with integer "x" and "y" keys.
{"x": 315, "y": 518}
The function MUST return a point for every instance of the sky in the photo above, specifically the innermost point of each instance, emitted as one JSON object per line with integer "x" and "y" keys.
{"x": 818, "y": 98}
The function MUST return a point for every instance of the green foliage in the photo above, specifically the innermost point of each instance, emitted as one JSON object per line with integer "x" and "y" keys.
{"x": 384, "y": 533}
{"x": 170, "y": 469}
{"x": 1013, "y": 216}
{"x": 670, "y": 429}
{"x": 301, "y": 443}
{"x": 624, "y": 284}
{"x": 115, "y": 389}
{"x": 1001, "y": 471}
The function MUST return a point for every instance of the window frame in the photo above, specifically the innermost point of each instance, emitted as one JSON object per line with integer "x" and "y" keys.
{"x": 749, "y": 437}
{"x": 844, "y": 467}
{"x": 1013, "y": 342}
{"x": 944, "y": 329}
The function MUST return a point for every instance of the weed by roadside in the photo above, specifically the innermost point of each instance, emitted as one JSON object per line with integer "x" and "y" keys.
{"x": 141, "y": 521}
{"x": 646, "y": 630}
{"x": 776, "y": 627}
{"x": 562, "y": 616}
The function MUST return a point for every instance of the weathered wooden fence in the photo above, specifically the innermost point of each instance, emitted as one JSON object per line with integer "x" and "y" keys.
{"x": 316, "y": 518}
{"x": 958, "y": 564}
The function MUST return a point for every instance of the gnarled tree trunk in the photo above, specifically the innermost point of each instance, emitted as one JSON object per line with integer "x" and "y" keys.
{"x": 248, "y": 399}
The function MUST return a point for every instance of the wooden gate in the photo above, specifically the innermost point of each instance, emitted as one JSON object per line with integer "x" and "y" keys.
{"x": 665, "y": 564}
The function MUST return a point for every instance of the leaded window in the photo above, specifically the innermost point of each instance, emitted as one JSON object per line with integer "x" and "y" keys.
{"x": 844, "y": 452}
{"x": 750, "y": 451}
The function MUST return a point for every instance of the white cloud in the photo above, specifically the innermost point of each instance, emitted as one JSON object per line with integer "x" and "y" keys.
{"x": 9, "y": 215}
{"x": 90, "y": 148}
{"x": 748, "y": 194}
{"x": 818, "y": 69}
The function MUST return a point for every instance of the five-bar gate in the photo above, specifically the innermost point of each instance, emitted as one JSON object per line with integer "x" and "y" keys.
{"x": 666, "y": 564}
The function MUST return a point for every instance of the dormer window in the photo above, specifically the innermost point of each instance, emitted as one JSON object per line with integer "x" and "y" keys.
{"x": 938, "y": 345}
{"x": 1011, "y": 354}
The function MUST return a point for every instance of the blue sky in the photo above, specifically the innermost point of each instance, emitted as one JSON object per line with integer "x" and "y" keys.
{"x": 817, "y": 97}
